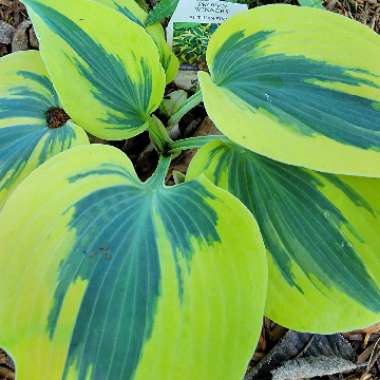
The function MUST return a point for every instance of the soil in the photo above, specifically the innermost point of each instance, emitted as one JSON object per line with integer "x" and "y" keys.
{"x": 56, "y": 117}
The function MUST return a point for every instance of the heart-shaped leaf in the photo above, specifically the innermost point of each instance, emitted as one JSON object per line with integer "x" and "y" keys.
{"x": 112, "y": 278}
{"x": 109, "y": 78}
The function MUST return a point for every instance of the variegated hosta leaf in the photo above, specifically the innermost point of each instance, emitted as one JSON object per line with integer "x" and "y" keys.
{"x": 134, "y": 12}
{"x": 111, "y": 278}
{"x": 322, "y": 233}
{"x": 168, "y": 59}
{"x": 26, "y": 141}
{"x": 105, "y": 67}
{"x": 298, "y": 85}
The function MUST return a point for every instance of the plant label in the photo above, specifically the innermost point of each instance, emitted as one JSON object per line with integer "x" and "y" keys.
{"x": 193, "y": 23}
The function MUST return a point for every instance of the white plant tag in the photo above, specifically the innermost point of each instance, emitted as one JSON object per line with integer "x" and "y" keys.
{"x": 192, "y": 25}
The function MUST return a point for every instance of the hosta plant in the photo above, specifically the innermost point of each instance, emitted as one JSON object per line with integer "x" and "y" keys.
{"x": 190, "y": 41}
{"x": 108, "y": 277}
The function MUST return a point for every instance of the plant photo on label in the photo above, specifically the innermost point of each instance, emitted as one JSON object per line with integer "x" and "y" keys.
{"x": 108, "y": 274}
{"x": 190, "y": 41}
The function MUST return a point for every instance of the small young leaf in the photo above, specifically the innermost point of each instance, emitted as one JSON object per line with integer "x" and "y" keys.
{"x": 165, "y": 8}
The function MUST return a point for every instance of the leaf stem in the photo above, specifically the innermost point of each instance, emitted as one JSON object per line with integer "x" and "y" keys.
{"x": 158, "y": 177}
{"x": 194, "y": 142}
{"x": 190, "y": 103}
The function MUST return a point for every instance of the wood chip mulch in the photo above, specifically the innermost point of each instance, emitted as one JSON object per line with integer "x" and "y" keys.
{"x": 365, "y": 11}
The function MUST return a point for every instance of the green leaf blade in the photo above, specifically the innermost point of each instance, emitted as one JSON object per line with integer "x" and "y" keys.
{"x": 304, "y": 93}
{"x": 119, "y": 84}
{"x": 163, "y": 9}
{"x": 131, "y": 10}
{"x": 311, "y": 3}
{"x": 133, "y": 279}
{"x": 26, "y": 141}
{"x": 320, "y": 234}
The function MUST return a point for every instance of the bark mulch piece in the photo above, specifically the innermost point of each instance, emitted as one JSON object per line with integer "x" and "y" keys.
{"x": 16, "y": 31}
{"x": 12, "y": 12}
{"x": 278, "y": 346}
{"x": 7, "y": 367}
